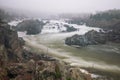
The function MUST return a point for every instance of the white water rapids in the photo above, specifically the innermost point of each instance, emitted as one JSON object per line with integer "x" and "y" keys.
{"x": 53, "y": 44}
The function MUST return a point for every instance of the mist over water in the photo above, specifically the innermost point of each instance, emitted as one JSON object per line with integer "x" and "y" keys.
{"x": 59, "y": 38}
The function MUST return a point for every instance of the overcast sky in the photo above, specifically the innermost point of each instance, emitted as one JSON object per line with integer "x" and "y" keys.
{"x": 62, "y": 6}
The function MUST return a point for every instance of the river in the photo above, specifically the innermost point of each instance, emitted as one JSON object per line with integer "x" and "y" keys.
{"x": 105, "y": 56}
{"x": 97, "y": 56}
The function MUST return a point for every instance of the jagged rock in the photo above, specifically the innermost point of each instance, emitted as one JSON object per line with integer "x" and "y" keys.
{"x": 21, "y": 40}
{"x": 56, "y": 70}
{"x": 94, "y": 37}
{"x": 70, "y": 28}
{"x": 31, "y": 26}
{"x": 20, "y": 71}
{"x": 76, "y": 74}
{"x": 9, "y": 43}
{"x": 113, "y": 35}
{"x": 76, "y": 40}
{"x": 10, "y": 50}
{"x": 90, "y": 38}
{"x": 50, "y": 70}
{"x": 31, "y": 65}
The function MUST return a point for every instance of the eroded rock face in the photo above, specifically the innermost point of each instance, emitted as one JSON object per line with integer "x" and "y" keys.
{"x": 10, "y": 49}
{"x": 70, "y": 28}
{"x": 31, "y": 26}
{"x": 114, "y": 36}
{"x": 79, "y": 40}
{"x": 9, "y": 43}
{"x": 35, "y": 69}
{"x": 94, "y": 37}
{"x": 55, "y": 70}
{"x": 76, "y": 74}
{"x": 48, "y": 70}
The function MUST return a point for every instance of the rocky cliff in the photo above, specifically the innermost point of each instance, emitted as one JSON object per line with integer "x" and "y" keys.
{"x": 9, "y": 43}
{"x": 10, "y": 49}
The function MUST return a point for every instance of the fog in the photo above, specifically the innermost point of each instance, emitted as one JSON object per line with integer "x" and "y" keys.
{"x": 61, "y": 6}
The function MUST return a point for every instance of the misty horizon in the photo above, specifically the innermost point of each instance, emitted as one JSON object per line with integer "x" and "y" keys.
{"x": 60, "y": 6}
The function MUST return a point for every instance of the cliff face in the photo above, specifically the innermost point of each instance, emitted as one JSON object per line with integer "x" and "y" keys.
{"x": 10, "y": 48}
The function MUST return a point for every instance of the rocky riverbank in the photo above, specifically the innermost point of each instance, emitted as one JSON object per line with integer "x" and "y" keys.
{"x": 17, "y": 63}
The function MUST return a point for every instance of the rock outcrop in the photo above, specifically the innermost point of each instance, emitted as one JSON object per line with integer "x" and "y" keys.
{"x": 9, "y": 43}
{"x": 10, "y": 49}
{"x": 31, "y": 26}
{"x": 93, "y": 37}
{"x": 70, "y": 28}
{"x": 114, "y": 33}
{"x": 90, "y": 38}
{"x": 79, "y": 40}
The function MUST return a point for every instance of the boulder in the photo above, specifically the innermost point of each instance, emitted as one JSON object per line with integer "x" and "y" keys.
{"x": 70, "y": 28}
{"x": 31, "y": 26}
{"x": 94, "y": 37}
{"x": 79, "y": 40}
{"x": 90, "y": 38}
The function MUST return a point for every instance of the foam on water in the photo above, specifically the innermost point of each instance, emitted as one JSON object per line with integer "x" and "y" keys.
{"x": 38, "y": 41}
{"x": 34, "y": 41}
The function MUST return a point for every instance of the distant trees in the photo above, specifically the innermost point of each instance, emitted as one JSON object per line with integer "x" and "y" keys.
{"x": 107, "y": 15}
{"x": 5, "y": 15}
{"x": 106, "y": 19}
